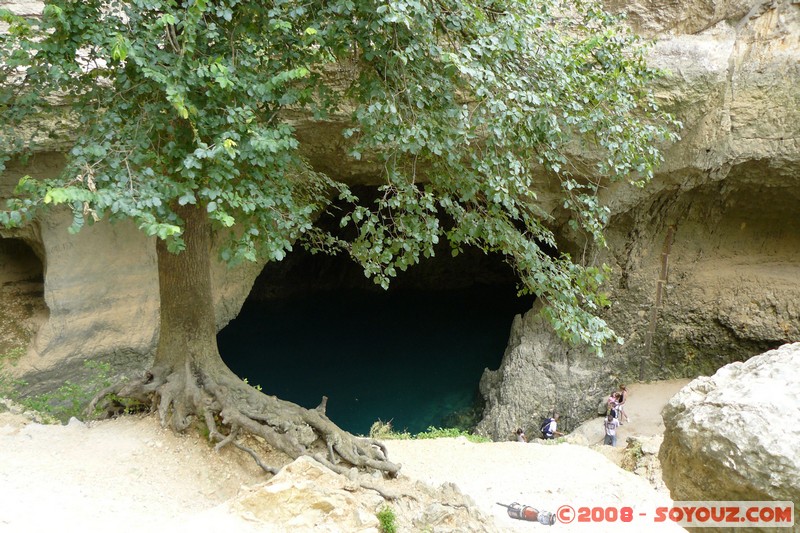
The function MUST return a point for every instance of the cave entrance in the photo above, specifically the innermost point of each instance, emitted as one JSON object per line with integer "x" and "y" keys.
{"x": 413, "y": 355}
{"x": 22, "y": 294}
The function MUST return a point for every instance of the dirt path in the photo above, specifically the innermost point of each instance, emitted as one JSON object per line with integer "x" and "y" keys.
{"x": 644, "y": 405}
{"x": 122, "y": 475}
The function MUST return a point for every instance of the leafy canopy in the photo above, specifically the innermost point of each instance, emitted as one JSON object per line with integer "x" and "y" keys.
{"x": 469, "y": 106}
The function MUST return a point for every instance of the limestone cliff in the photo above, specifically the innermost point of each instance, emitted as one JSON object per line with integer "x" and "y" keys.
{"x": 706, "y": 258}
{"x": 99, "y": 292}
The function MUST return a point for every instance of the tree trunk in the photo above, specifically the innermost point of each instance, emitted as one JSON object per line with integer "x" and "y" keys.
{"x": 189, "y": 381}
{"x": 188, "y": 332}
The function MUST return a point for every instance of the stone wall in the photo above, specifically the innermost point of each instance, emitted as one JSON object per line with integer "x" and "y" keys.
{"x": 728, "y": 195}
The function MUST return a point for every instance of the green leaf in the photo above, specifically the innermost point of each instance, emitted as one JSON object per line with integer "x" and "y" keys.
{"x": 56, "y": 196}
{"x": 187, "y": 198}
{"x": 119, "y": 51}
{"x": 167, "y": 19}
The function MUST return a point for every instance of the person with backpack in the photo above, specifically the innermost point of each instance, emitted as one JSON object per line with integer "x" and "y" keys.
{"x": 549, "y": 427}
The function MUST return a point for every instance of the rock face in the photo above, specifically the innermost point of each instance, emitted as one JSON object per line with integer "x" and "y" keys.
{"x": 99, "y": 295}
{"x": 706, "y": 258}
{"x": 735, "y": 435}
{"x": 537, "y": 377}
{"x": 305, "y": 496}
{"x": 722, "y": 216}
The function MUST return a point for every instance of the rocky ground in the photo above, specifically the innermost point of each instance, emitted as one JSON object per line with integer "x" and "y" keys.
{"x": 129, "y": 474}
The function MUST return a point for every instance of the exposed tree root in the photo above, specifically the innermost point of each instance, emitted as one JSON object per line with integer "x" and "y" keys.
{"x": 231, "y": 410}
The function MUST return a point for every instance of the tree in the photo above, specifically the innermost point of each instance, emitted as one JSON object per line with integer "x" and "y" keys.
{"x": 182, "y": 124}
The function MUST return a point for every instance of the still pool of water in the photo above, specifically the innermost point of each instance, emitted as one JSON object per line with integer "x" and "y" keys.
{"x": 409, "y": 357}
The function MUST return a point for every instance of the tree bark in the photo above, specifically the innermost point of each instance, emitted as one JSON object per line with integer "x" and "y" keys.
{"x": 187, "y": 326}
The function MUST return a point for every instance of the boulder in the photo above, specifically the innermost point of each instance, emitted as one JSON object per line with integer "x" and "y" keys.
{"x": 643, "y": 453}
{"x": 735, "y": 435}
{"x": 540, "y": 375}
{"x": 306, "y": 496}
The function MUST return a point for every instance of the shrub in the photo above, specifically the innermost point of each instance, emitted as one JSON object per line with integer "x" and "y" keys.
{"x": 387, "y": 518}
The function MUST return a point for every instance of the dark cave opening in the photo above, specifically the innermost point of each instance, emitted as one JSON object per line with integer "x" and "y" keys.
{"x": 19, "y": 264}
{"x": 22, "y": 293}
{"x": 313, "y": 325}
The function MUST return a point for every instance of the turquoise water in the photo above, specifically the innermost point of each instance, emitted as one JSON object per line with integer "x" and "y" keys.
{"x": 411, "y": 357}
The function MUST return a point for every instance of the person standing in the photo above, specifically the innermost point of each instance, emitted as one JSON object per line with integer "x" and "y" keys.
{"x": 622, "y": 395}
{"x": 611, "y": 404}
{"x": 611, "y": 424}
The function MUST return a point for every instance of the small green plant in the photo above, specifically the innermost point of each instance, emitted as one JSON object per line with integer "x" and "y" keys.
{"x": 8, "y": 384}
{"x": 204, "y": 431}
{"x": 256, "y": 387}
{"x": 439, "y": 433}
{"x": 551, "y": 442}
{"x": 632, "y": 455}
{"x": 387, "y": 519}
{"x": 385, "y": 431}
{"x": 202, "y": 428}
{"x": 71, "y": 399}
{"x": 12, "y": 356}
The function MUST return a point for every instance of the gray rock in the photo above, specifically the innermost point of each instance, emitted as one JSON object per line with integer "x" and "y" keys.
{"x": 305, "y": 496}
{"x": 538, "y": 376}
{"x": 75, "y": 423}
{"x": 735, "y": 435}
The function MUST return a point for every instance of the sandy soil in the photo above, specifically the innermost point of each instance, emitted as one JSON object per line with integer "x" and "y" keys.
{"x": 127, "y": 474}
{"x": 645, "y": 401}
{"x": 131, "y": 475}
